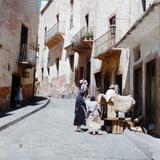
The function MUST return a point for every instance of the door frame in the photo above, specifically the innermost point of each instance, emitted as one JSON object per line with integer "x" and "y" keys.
{"x": 139, "y": 111}
{"x": 147, "y": 79}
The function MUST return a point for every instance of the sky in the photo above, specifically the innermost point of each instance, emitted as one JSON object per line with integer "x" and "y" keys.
{"x": 39, "y": 3}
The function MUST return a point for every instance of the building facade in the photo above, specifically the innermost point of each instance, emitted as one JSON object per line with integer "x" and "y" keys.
{"x": 77, "y": 41}
{"x": 143, "y": 39}
{"x": 18, "y": 49}
{"x": 113, "y": 19}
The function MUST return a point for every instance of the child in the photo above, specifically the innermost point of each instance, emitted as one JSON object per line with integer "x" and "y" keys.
{"x": 18, "y": 96}
{"x": 94, "y": 112}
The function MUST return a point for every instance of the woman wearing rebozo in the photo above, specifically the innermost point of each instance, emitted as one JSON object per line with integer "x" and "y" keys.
{"x": 80, "y": 112}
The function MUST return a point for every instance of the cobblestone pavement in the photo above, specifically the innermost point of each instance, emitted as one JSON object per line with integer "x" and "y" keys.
{"x": 49, "y": 135}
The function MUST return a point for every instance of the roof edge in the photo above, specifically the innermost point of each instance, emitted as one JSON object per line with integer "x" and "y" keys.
{"x": 157, "y": 2}
{"x": 46, "y": 6}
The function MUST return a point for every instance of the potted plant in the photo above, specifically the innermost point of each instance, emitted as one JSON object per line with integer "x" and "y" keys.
{"x": 89, "y": 35}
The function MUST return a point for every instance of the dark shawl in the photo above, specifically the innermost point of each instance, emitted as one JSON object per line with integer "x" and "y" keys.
{"x": 80, "y": 106}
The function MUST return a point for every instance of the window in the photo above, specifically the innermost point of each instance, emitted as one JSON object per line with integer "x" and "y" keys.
{"x": 71, "y": 59}
{"x": 48, "y": 70}
{"x": 42, "y": 70}
{"x": 71, "y": 17}
{"x": 45, "y": 34}
{"x": 112, "y": 23}
{"x": 24, "y": 34}
{"x": 71, "y": 21}
{"x": 81, "y": 73}
{"x": 57, "y": 16}
{"x": 87, "y": 19}
{"x": 88, "y": 72}
{"x": 45, "y": 29}
{"x": 23, "y": 43}
{"x": 71, "y": 2}
{"x": 119, "y": 82}
{"x": 144, "y": 5}
{"x": 112, "y": 20}
{"x": 137, "y": 53}
{"x": 57, "y": 63}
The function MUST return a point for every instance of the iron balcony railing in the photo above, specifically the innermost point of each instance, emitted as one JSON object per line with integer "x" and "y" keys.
{"x": 84, "y": 34}
{"x": 27, "y": 55}
{"x": 59, "y": 27}
{"x": 106, "y": 41}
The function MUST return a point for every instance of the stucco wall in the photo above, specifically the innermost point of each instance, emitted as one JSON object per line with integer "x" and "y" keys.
{"x": 149, "y": 48}
{"x": 14, "y": 13}
{"x": 126, "y": 14}
{"x": 99, "y": 13}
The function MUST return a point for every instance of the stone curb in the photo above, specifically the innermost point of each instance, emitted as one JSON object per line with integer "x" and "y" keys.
{"x": 131, "y": 136}
{"x": 23, "y": 117}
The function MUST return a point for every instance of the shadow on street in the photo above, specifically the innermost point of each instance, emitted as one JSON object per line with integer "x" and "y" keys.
{"x": 33, "y": 101}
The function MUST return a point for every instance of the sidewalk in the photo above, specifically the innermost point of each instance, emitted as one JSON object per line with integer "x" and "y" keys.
{"x": 148, "y": 144}
{"x": 10, "y": 118}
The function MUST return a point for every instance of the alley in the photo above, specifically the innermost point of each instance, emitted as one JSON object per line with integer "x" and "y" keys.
{"x": 49, "y": 135}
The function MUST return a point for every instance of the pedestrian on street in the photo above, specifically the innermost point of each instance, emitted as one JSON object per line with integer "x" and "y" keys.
{"x": 36, "y": 87}
{"x": 18, "y": 96}
{"x": 84, "y": 87}
{"x": 80, "y": 83}
{"x": 80, "y": 112}
{"x": 94, "y": 113}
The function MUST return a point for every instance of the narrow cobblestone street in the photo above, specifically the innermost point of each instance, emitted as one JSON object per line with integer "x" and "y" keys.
{"x": 102, "y": 54}
{"x": 49, "y": 135}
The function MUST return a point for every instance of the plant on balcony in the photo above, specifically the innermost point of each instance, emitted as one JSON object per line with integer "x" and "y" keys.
{"x": 72, "y": 43}
{"x": 83, "y": 38}
{"x": 89, "y": 35}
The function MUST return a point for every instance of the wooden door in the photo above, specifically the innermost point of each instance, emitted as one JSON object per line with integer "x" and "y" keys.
{"x": 138, "y": 108}
{"x": 150, "y": 92}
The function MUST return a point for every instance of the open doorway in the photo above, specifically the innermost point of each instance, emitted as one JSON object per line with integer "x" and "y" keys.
{"x": 138, "y": 108}
{"x": 119, "y": 82}
{"x": 106, "y": 85}
{"x": 150, "y": 92}
{"x": 88, "y": 72}
{"x": 98, "y": 79}
{"x": 16, "y": 81}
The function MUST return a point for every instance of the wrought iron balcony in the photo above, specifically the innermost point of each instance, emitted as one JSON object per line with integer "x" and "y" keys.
{"x": 83, "y": 40}
{"x": 55, "y": 34}
{"x": 27, "y": 56}
{"x": 106, "y": 42}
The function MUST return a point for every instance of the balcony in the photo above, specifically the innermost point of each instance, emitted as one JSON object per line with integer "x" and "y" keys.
{"x": 82, "y": 42}
{"x": 104, "y": 45}
{"x": 55, "y": 34}
{"x": 27, "y": 56}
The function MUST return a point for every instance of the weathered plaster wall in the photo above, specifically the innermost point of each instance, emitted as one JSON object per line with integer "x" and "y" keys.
{"x": 14, "y": 13}
{"x": 99, "y": 13}
{"x": 126, "y": 14}
{"x": 150, "y": 50}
